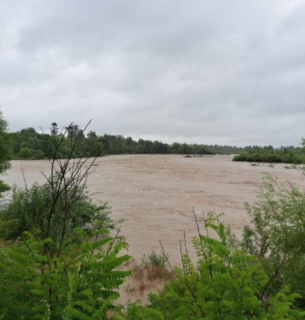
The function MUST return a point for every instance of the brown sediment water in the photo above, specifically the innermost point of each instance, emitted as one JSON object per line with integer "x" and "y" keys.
{"x": 156, "y": 194}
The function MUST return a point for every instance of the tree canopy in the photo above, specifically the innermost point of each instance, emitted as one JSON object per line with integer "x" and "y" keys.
{"x": 29, "y": 144}
{"x": 5, "y": 150}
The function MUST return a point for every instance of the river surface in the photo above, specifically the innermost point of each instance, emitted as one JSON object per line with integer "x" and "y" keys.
{"x": 156, "y": 194}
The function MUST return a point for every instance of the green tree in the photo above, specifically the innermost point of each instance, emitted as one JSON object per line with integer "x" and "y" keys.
{"x": 26, "y": 154}
{"x": 28, "y": 210}
{"x": 92, "y": 135}
{"x": 5, "y": 151}
{"x": 276, "y": 236}
{"x": 54, "y": 129}
{"x": 73, "y": 131}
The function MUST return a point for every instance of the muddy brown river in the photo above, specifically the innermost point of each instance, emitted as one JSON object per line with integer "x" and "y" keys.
{"x": 156, "y": 194}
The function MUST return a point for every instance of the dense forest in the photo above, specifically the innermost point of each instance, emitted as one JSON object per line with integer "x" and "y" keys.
{"x": 30, "y": 144}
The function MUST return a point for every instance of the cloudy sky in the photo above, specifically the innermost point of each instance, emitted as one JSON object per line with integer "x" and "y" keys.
{"x": 212, "y": 71}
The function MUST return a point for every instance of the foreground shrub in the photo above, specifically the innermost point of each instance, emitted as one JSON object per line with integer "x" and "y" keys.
{"x": 226, "y": 283}
{"x": 5, "y": 151}
{"x": 276, "y": 236}
{"x": 4, "y": 187}
{"x": 57, "y": 271}
{"x": 53, "y": 210}
{"x": 28, "y": 210}
{"x": 81, "y": 283}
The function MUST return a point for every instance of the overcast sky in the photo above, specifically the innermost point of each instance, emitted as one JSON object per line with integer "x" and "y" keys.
{"x": 204, "y": 71}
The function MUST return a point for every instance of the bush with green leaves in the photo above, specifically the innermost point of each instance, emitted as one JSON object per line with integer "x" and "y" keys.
{"x": 54, "y": 209}
{"x": 268, "y": 154}
{"x": 155, "y": 259}
{"x": 80, "y": 283}
{"x": 4, "y": 187}
{"x": 276, "y": 235}
{"x": 5, "y": 151}
{"x": 225, "y": 283}
{"x": 28, "y": 210}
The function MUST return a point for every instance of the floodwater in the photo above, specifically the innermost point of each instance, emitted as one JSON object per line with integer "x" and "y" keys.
{"x": 157, "y": 194}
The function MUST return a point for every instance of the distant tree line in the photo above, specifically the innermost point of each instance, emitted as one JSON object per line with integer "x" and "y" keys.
{"x": 269, "y": 154}
{"x": 29, "y": 144}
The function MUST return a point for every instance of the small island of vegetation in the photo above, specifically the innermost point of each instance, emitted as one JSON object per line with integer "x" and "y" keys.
{"x": 272, "y": 155}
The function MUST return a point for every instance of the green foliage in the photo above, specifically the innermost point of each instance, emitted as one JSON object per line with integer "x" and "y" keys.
{"x": 136, "y": 311}
{"x": 57, "y": 271}
{"x": 154, "y": 259}
{"x": 5, "y": 145}
{"x": 29, "y": 210}
{"x": 81, "y": 283}
{"x": 5, "y": 151}
{"x": 223, "y": 282}
{"x": 281, "y": 306}
{"x": 268, "y": 154}
{"x": 29, "y": 144}
{"x": 30, "y": 154}
{"x": 276, "y": 235}
{"x": 4, "y": 187}
{"x": 226, "y": 283}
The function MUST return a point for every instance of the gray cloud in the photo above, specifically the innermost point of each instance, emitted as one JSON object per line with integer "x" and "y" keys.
{"x": 212, "y": 72}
